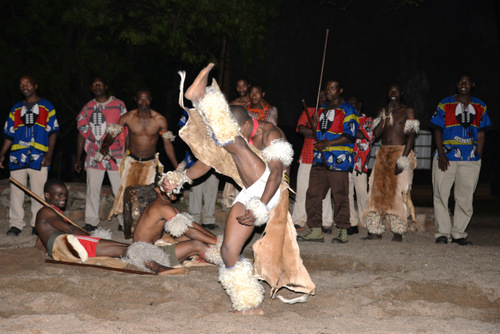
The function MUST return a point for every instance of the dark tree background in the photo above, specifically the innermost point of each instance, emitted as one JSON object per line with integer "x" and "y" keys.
{"x": 420, "y": 44}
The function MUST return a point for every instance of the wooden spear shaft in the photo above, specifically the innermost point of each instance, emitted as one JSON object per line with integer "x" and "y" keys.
{"x": 322, "y": 68}
{"x": 35, "y": 196}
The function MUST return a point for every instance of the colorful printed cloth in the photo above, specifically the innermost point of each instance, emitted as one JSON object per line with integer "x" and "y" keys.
{"x": 332, "y": 124}
{"x": 306, "y": 155}
{"x": 362, "y": 147}
{"x": 461, "y": 125}
{"x": 92, "y": 122}
{"x": 268, "y": 114}
{"x": 189, "y": 158}
{"x": 29, "y": 126}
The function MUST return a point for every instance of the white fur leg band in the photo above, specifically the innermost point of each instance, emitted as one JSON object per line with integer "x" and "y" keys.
{"x": 114, "y": 130}
{"x": 178, "y": 225}
{"x": 398, "y": 225}
{"x": 403, "y": 162}
{"x": 280, "y": 150}
{"x": 212, "y": 254}
{"x": 140, "y": 252}
{"x": 101, "y": 233}
{"x": 243, "y": 288}
{"x": 214, "y": 108}
{"x": 168, "y": 135}
{"x": 373, "y": 223}
{"x": 259, "y": 210}
{"x": 412, "y": 125}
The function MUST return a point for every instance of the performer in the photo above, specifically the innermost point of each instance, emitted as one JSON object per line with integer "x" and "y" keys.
{"x": 140, "y": 163}
{"x": 261, "y": 182}
{"x": 62, "y": 240}
{"x": 459, "y": 124}
{"x": 259, "y": 108}
{"x": 242, "y": 87}
{"x": 358, "y": 177}
{"x": 92, "y": 122}
{"x": 161, "y": 216}
{"x": 30, "y": 133}
{"x": 391, "y": 178}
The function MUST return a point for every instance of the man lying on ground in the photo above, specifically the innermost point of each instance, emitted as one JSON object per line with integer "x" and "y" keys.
{"x": 55, "y": 235}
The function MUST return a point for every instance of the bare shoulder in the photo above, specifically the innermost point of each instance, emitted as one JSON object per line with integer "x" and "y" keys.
{"x": 410, "y": 112}
{"x": 128, "y": 116}
{"x": 272, "y": 132}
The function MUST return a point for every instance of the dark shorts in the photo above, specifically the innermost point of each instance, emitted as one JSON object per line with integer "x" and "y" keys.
{"x": 170, "y": 251}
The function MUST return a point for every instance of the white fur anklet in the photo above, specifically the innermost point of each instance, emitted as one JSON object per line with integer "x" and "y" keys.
{"x": 214, "y": 109}
{"x": 279, "y": 149}
{"x": 243, "y": 288}
{"x": 212, "y": 254}
{"x": 397, "y": 225}
{"x": 259, "y": 210}
{"x": 412, "y": 125}
{"x": 403, "y": 162}
{"x": 179, "y": 224}
{"x": 373, "y": 223}
{"x": 114, "y": 130}
{"x": 140, "y": 252}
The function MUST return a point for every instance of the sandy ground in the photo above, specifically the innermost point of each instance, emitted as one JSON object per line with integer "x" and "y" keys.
{"x": 362, "y": 287}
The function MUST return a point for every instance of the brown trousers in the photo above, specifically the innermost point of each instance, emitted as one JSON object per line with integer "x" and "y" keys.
{"x": 320, "y": 180}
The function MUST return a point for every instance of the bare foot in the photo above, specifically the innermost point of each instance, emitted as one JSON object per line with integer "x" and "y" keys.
{"x": 163, "y": 271}
{"x": 254, "y": 311}
{"x": 197, "y": 89}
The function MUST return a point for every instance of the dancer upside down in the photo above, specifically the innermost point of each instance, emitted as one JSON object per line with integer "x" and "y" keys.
{"x": 229, "y": 127}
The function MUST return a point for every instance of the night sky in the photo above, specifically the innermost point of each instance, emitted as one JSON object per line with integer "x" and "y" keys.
{"x": 371, "y": 45}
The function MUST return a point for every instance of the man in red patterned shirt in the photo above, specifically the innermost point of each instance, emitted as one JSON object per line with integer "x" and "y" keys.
{"x": 299, "y": 215}
{"x": 92, "y": 122}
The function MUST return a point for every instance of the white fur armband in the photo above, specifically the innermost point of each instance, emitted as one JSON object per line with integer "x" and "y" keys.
{"x": 176, "y": 178}
{"x": 114, "y": 130}
{"x": 412, "y": 125}
{"x": 168, "y": 135}
{"x": 212, "y": 254}
{"x": 179, "y": 224}
{"x": 259, "y": 210}
{"x": 403, "y": 162}
{"x": 376, "y": 121}
{"x": 280, "y": 150}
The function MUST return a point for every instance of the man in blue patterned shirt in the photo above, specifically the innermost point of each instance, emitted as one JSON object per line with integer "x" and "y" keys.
{"x": 30, "y": 134}
{"x": 459, "y": 123}
{"x": 336, "y": 133}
